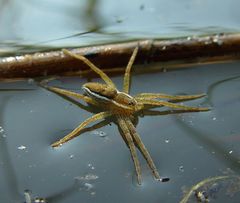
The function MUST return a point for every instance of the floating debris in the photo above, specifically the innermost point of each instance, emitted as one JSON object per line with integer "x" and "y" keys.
{"x": 87, "y": 177}
{"x": 203, "y": 195}
{"x": 39, "y": 200}
{"x": 27, "y": 195}
{"x": 28, "y": 198}
{"x": 164, "y": 179}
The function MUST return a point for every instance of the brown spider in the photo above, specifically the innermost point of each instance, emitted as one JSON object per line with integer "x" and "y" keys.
{"x": 124, "y": 107}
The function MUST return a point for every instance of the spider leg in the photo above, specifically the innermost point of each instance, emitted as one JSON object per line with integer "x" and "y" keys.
{"x": 71, "y": 94}
{"x": 147, "y": 112}
{"x": 91, "y": 65}
{"x": 166, "y": 96}
{"x": 127, "y": 77}
{"x": 155, "y": 103}
{"x": 143, "y": 149}
{"x": 77, "y": 130}
{"x": 122, "y": 124}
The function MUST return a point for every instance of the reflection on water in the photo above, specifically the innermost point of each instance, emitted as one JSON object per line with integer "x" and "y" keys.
{"x": 38, "y": 25}
{"x": 96, "y": 167}
{"x": 212, "y": 87}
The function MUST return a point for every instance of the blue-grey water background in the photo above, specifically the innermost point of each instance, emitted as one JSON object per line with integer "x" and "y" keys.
{"x": 32, "y": 25}
{"x": 96, "y": 166}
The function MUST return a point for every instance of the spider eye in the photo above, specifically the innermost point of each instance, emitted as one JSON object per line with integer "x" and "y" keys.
{"x": 131, "y": 102}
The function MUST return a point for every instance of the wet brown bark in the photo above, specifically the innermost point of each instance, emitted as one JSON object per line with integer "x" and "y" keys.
{"x": 190, "y": 49}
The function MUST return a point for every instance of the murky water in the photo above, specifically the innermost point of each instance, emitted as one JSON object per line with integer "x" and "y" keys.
{"x": 96, "y": 166}
{"x": 27, "y": 26}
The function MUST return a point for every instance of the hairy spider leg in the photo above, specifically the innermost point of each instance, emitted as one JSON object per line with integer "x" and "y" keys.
{"x": 77, "y": 130}
{"x": 127, "y": 76}
{"x": 171, "y": 105}
{"x": 167, "y": 96}
{"x": 126, "y": 133}
{"x": 147, "y": 112}
{"x": 143, "y": 149}
{"x": 92, "y": 66}
{"x": 72, "y": 94}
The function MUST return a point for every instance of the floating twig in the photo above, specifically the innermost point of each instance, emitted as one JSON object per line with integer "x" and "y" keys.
{"x": 200, "y": 184}
{"x": 212, "y": 48}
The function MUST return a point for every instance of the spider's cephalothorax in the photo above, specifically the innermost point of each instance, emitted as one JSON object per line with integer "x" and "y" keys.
{"x": 123, "y": 107}
{"x": 111, "y": 99}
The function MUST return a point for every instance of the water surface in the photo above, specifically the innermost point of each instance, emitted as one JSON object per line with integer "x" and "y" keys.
{"x": 96, "y": 166}
{"x": 28, "y": 26}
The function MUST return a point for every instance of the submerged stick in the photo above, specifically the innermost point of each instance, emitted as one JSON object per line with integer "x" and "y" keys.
{"x": 200, "y": 184}
{"x": 210, "y": 48}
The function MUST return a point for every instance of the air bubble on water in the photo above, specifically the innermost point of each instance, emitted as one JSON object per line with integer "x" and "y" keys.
{"x": 93, "y": 193}
{"x": 230, "y": 152}
{"x": 99, "y": 133}
{"x": 88, "y": 186}
{"x": 22, "y": 147}
{"x": 2, "y": 132}
{"x": 1, "y": 129}
{"x": 91, "y": 166}
{"x": 167, "y": 141}
{"x": 214, "y": 118}
{"x": 191, "y": 122}
{"x": 71, "y": 156}
{"x": 181, "y": 169}
{"x": 102, "y": 134}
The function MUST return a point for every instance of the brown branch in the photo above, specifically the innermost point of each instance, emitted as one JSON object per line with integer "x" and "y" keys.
{"x": 207, "y": 48}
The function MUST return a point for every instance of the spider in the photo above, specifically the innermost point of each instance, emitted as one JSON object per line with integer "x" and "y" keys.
{"x": 123, "y": 107}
